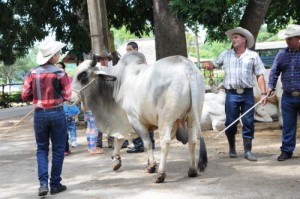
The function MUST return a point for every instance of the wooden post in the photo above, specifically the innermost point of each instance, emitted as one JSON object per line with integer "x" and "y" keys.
{"x": 98, "y": 25}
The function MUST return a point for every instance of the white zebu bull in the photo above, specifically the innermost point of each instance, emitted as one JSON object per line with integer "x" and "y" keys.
{"x": 146, "y": 97}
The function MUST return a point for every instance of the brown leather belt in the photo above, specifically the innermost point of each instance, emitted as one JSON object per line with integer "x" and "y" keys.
{"x": 59, "y": 108}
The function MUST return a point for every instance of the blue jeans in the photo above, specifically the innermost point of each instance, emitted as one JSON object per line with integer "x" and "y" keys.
{"x": 236, "y": 105}
{"x": 50, "y": 126}
{"x": 290, "y": 107}
{"x": 72, "y": 130}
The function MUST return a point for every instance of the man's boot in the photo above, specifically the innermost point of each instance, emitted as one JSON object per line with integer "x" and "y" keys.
{"x": 231, "y": 141}
{"x": 248, "y": 147}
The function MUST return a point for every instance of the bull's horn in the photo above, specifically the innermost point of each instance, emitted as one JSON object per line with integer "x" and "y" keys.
{"x": 94, "y": 62}
{"x": 105, "y": 76}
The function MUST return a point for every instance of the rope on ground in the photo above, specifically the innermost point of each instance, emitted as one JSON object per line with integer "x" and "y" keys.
{"x": 17, "y": 123}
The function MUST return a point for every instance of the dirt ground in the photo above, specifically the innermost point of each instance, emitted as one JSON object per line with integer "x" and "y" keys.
{"x": 91, "y": 176}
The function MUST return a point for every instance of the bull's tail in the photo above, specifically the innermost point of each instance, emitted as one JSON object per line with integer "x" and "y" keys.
{"x": 195, "y": 79}
{"x": 202, "y": 163}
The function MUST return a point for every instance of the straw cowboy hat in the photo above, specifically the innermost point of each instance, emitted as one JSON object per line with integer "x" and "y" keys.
{"x": 104, "y": 55}
{"x": 244, "y": 32}
{"x": 47, "y": 49}
{"x": 291, "y": 30}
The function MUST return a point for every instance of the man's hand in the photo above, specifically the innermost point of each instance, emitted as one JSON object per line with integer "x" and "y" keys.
{"x": 270, "y": 91}
{"x": 263, "y": 95}
{"x": 208, "y": 65}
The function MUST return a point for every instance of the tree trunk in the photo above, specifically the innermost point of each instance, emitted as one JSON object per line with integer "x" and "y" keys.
{"x": 169, "y": 31}
{"x": 254, "y": 16}
{"x": 98, "y": 25}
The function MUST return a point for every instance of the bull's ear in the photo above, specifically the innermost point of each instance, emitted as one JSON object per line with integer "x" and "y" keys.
{"x": 94, "y": 61}
{"x": 104, "y": 76}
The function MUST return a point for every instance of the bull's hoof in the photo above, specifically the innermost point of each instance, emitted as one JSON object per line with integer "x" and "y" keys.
{"x": 160, "y": 177}
{"x": 117, "y": 163}
{"x": 192, "y": 173}
{"x": 151, "y": 168}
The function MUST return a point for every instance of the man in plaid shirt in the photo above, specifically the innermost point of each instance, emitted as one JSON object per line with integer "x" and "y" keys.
{"x": 48, "y": 86}
{"x": 287, "y": 64}
{"x": 240, "y": 64}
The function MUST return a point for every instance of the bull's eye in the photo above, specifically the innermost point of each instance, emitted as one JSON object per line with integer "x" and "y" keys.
{"x": 83, "y": 77}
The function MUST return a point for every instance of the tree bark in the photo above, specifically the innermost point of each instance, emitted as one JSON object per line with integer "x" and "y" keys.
{"x": 169, "y": 31}
{"x": 254, "y": 16}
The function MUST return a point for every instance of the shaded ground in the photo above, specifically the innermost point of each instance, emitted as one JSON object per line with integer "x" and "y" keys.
{"x": 92, "y": 177}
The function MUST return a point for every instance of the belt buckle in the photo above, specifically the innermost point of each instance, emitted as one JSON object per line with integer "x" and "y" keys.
{"x": 240, "y": 91}
{"x": 295, "y": 93}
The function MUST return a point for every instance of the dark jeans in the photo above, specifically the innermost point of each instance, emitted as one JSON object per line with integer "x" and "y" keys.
{"x": 236, "y": 105}
{"x": 138, "y": 142}
{"x": 50, "y": 126}
{"x": 290, "y": 106}
{"x": 67, "y": 149}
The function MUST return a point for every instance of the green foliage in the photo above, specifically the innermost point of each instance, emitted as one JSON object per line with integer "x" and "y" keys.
{"x": 281, "y": 13}
{"x": 135, "y": 15}
{"x": 22, "y": 23}
{"x": 212, "y": 50}
{"x": 265, "y": 36}
{"x": 206, "y": 50}
{"x": 14, "y": 97}
{"x": 216, "y": 75}
{"x": 122, "y": 35}
{"x": 61, "y": 17}
{"x": 15, "y": 33}
{"x": 8, "y": 99}
{"x": 16, "y": 72}
{"x": 215, "y": 15}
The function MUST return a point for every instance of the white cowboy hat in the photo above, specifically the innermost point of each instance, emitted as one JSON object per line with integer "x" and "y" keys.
{"x": 244, "y": 32}
{"x": 291, "y": 30}
{"x": 47, "y": 49}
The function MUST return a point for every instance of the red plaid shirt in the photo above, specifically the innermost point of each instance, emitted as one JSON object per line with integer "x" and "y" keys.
{"x": 47, "y": 86}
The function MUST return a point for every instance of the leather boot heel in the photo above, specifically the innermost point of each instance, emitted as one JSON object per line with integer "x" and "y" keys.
{"x": 231, "y": 142}
{"x": 248, "y": 146}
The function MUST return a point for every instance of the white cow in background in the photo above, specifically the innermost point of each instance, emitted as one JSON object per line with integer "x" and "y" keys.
{"x": 164, "y": 95}
{"x": 213, "y": 115}
{"x": 272, "y": 110}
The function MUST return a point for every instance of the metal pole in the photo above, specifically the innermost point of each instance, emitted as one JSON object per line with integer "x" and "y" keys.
{"x": 197, "y": 50}
{"x": 241, "y": 116}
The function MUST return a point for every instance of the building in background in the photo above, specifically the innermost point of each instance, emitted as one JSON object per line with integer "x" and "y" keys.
{"x": 268, "y": 50}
